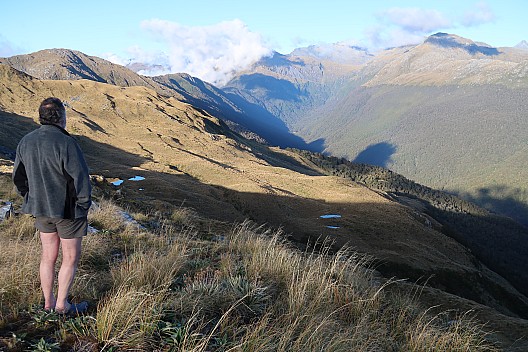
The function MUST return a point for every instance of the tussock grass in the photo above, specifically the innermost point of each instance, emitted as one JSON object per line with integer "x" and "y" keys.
{"x": 248, "y": 290}
{"x": 19, "y": 266}
{"x": 148, "y": 268}
{"x": 442, "y": 333}
{"x": 183, "y": 216}
{"x": 129, "y": 317}
{"x": 7, "y": 188}
{"x": 105, "y": 215}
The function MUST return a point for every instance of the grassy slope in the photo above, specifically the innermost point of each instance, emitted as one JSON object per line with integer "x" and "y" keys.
{"x": 454, "y": 115}
{"x": 191, "y": 159}
{"x": 474, "y": 227}
{"x": 168, "y": 288}
{"x": 444, "y": 137}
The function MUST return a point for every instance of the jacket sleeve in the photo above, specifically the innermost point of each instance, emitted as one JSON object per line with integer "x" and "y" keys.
{"x": 75, "y": 165}
{"x": 19, "y": 175}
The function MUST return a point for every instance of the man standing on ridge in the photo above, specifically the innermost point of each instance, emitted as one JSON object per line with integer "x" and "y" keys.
{"x": 51, "y": 174}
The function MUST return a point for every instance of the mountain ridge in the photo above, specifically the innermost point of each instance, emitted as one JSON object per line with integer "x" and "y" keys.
{"x": 294, "y": 101}
{"x": 523, "y": 45}
{"x": 57, "y": 64}
{"x": 412, "y": 98}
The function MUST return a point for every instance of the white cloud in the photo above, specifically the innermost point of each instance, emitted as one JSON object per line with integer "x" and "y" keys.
{"x": 405, "y": 26}
{"x": 145, "y": 63}
{"x": 416, "y": 20}
{"x": 479, "y": 14}
{"x": 212, "y": 53}
{"x": 115, "y": 59}
{"x": 382, "y": 38}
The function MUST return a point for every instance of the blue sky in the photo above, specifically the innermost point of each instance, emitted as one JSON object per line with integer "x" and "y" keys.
{"x": 210, "y": 39}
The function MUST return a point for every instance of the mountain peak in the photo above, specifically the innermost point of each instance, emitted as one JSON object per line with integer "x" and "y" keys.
{"x": 452, "y": 41}
{"x": 339, "y": 52}
{"x": 522, "y": 45}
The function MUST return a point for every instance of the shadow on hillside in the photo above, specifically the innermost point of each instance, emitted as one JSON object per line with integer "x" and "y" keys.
{"x": 268, "y": 126}
{"x": 13, "y": 128}
{"x": 502, "y": 199}
{"x": 379, "y": 154}
{"x": 89, "y": 122}
{"x": 275, "y": 88}
{"x": 446, "y": 41}
{"x": 251, "y": 116}
{"x": 368, "y": 228}
{"x": 498, "y": 242}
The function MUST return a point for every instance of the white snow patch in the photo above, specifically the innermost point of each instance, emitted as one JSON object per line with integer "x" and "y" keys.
{"x": 117, "y": 183}
{"x": 330, "y": 216}
{"x": 136, "y": 178}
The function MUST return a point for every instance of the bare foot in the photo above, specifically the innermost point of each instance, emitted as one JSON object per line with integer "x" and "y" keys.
{"x": 73, "y": 308}
{"x": 63, "y": 310}
{"x": 50, "y": 305}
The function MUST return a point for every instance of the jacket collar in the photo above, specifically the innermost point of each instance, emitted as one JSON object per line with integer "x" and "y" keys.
{"x": 56, "y": 126}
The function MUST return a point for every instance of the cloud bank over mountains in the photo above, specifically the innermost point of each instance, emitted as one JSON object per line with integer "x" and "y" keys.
{"x": 212, "y": 53}
{"x": 416, "y": 20}
{"x": 403, "y": 26}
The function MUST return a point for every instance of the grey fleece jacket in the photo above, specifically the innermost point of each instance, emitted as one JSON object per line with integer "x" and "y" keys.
{"x": 51, "y": 174}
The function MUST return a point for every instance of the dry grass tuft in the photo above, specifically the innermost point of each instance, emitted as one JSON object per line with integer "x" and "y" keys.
{"x": 129, "y": 317}
{"x": 19, "y": 266}
{"x": 106, "y": 215}
{"x": 444, "y": 333}
{"x": 183, "y": 216}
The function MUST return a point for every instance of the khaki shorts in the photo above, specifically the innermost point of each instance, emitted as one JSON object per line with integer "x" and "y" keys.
{"x": 66, "y": 228}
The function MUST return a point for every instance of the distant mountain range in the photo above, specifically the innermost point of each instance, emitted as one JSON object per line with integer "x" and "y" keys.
{"x": 449, "y": 112}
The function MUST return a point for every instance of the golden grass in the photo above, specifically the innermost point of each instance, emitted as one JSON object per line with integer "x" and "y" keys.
{"x": 183, "y": 216}
{"x": 7, "y": 189}
{"x": 168, "y": 289}
{"x": 105, "y": 215}
{"x": 19, "y": 266}
{"x": 129, "y": 317}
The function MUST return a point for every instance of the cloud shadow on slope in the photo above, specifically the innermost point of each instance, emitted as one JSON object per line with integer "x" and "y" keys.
{"x": 228, "y": 105}
{"x": 379, "y": 154}
{"x": 501, "y": 199}
{"x": 446, "y": 41}
{"x": 270, "y": 127}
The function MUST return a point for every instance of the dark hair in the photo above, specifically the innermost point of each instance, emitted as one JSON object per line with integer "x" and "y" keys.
{"x": 51, "y": 110}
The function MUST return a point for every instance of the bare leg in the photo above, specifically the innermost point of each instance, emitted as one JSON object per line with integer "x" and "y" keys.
{"x": 71, "y": 252}
{"x": 50, "y": 251}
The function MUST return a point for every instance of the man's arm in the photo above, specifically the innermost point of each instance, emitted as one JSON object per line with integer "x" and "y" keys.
{"x": 19, "y": 175}
{"x": 76, "y": 167}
